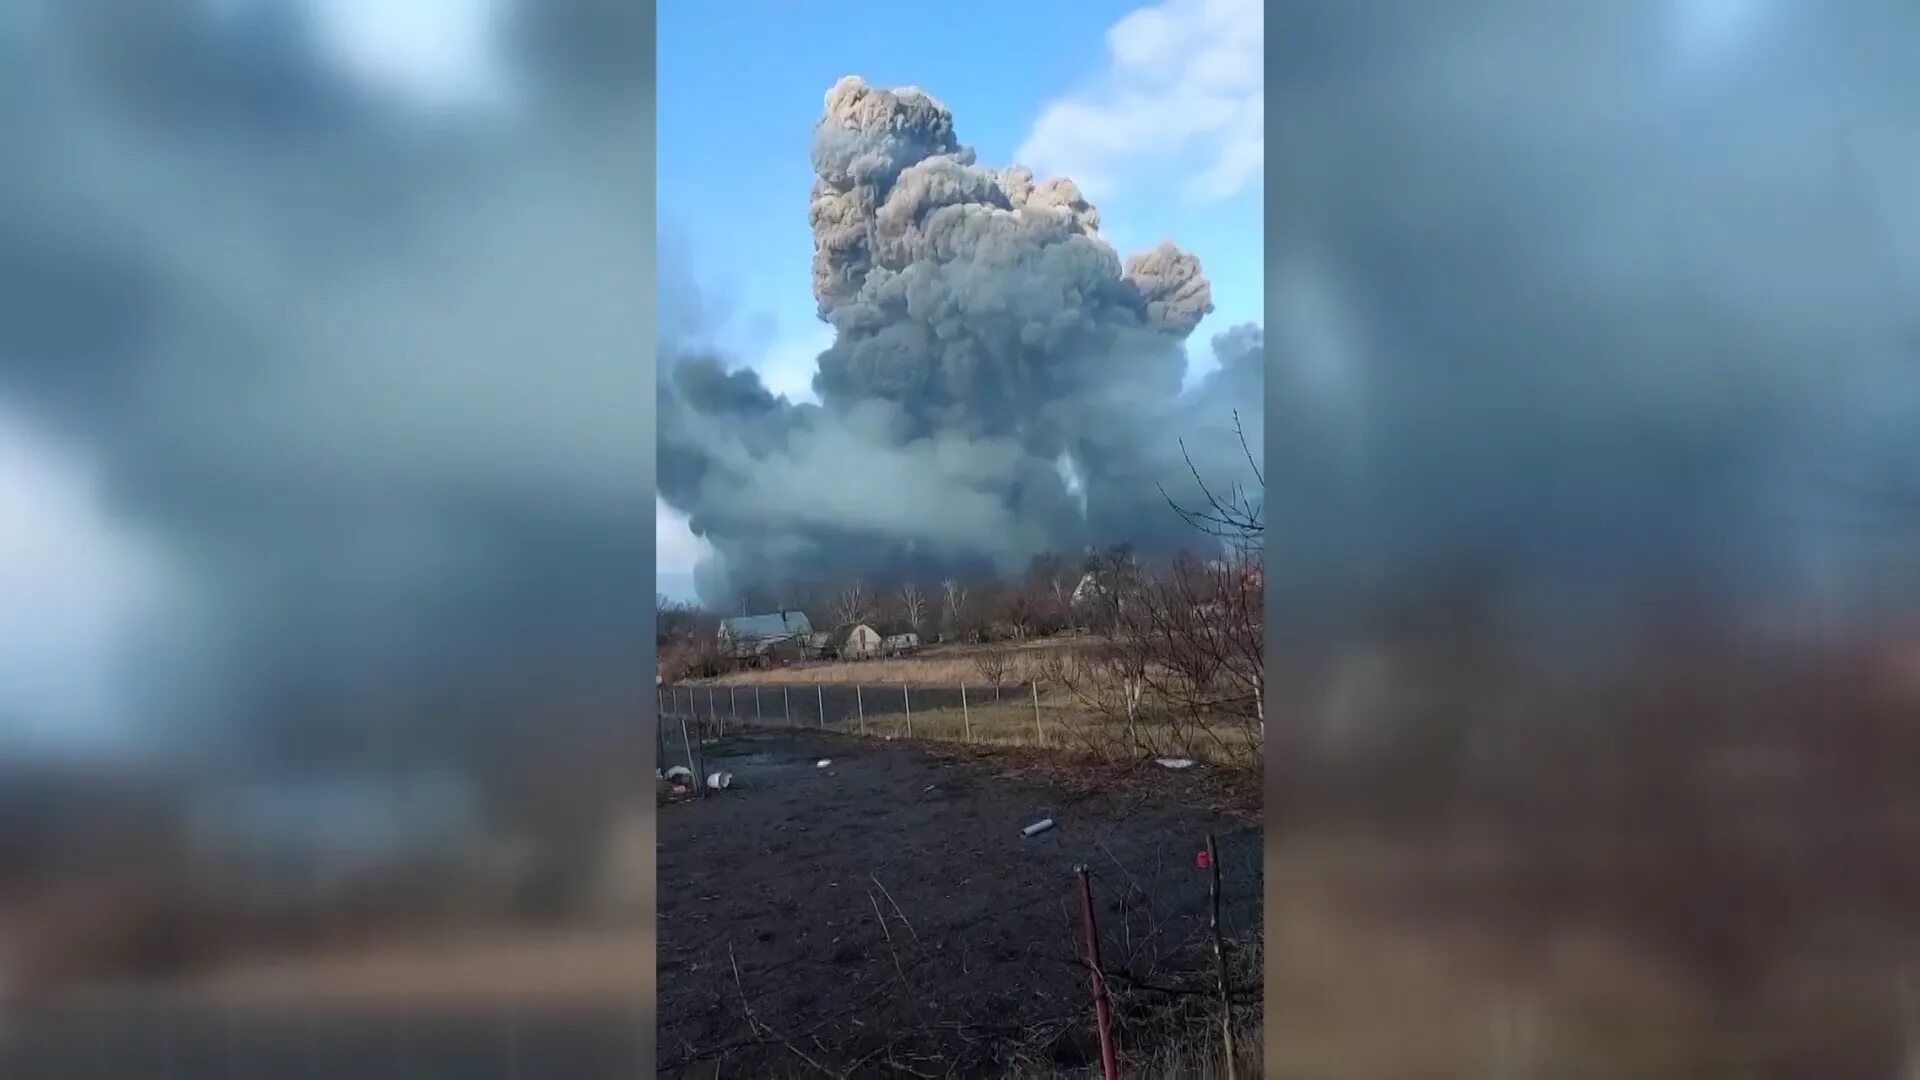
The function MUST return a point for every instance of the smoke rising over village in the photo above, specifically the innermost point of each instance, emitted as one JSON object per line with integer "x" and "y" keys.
{"x": 1001, "y": 381}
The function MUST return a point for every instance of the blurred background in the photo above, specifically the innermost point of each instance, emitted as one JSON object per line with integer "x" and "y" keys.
{"x": 326, "y": 458}
{"x": 1595, "y": 500}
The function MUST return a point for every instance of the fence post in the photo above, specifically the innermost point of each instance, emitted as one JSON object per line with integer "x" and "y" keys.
{"x": 712, "y": 720}
{"x": 1037, "y": 732}
{"x": 966, "y": 718}
{"x": 699, "y": 782}
{"x": 820, "y": 702}
{"x": 734, "y": 701}
{"x": 660, "y": 733}
{"x": 786, "y": 702}
{"x": 908, "y": 698}
{"x": 862, "y": 706}
{"x": 756, "y": 704}
{"x": 1219, "y": 954}
{"x": 1102, "y": 1011}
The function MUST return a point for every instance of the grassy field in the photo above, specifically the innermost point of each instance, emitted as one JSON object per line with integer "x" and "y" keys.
{"x": 1058, "y": 724}
{"x": 939, "y": 665}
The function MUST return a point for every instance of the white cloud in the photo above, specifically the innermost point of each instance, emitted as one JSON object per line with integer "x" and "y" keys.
{"x": 438, "y": 53}
{"x": 1184, "y": 81}
{"x": 74, "y": 584}
{"x": 676, "y": 548}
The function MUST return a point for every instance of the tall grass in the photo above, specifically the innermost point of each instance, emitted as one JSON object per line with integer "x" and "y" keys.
{"x": 940, "y": 666}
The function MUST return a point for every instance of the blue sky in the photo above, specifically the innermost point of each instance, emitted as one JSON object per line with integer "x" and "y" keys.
{"x": 1153, "y": 109}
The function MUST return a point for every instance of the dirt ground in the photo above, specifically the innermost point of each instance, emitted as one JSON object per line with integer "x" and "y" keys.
{"x": 885, "y": 916}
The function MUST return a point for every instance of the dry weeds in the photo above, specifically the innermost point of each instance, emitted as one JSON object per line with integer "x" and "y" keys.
{"x": 941, "y": 665}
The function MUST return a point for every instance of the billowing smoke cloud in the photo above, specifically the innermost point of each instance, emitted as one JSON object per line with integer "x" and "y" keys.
{"x": 1000, "y": 382}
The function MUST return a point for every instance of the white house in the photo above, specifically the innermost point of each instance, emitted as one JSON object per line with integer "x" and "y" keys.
{"x": 856, "y": 641}
{"x": 895, "y": 644}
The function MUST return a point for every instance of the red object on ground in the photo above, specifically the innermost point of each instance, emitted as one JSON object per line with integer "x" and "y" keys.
{"x": 1202, "y": 861}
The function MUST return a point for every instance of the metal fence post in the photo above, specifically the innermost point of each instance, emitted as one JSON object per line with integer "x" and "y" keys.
{"x": 756, "y": 704}
{"x": 712, "y": 721}
{"x": 699, "y": 782}
{"x": 786, "y": 702}
{"x": 1037, "y": 732}
{"x": 734, "y": 701}
{"x": 860, "y": 704}
{"x": 908, "y": 698}
{"x": 966, "y": 718}
{"x": 820, "y": 702}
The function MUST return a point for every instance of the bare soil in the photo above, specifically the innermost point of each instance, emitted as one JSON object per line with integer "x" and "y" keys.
{"x": 884, "y": 915}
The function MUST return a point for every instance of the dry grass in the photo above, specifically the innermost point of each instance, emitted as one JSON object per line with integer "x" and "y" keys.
{"x": 941, "y": 665}
{"x": 1057, "y": 725}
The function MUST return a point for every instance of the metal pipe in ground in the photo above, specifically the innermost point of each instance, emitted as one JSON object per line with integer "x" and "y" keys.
{"x": 660, "y": 732}
{"x": 1219, "y": 955}
{"x": 699, "y": 782}
{"x": 860, "y": 704}
{"x": 786, "y": 702}
{"x": 1038, "y": 735}
{"x": 908, "y": 698}
{"x": 1102, "y": 1011}
{"x": 966, "y": 718}
{"x": 820, "y": 702}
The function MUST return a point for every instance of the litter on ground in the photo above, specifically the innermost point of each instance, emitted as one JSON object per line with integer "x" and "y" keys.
{"x": 1175, "y": 762}
{"x": 823, "y": 763}
{"x": 1037, "y": 827}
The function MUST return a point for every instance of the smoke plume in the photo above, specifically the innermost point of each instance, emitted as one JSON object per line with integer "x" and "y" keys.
{"x": 1000, "y": 382}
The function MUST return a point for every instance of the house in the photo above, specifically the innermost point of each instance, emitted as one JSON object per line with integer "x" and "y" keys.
{"x": 1086, "y": 591}
{"x": 855, "y": 641}
{"x": 817, "y": 645}
{"x": 897, "y": 639}
{"x": 747, "y": 637}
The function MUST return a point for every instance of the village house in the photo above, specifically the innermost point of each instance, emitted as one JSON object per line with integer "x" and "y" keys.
{"x": 855, "y": 641}
{"x": 898, "y": 640}
{"x": 859, "y": 641}
{"x": 817, "y": 645}
{"x": 765, "y": 639}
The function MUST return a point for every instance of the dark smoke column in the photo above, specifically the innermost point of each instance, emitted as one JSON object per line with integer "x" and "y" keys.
{"x": 999, "y": 382}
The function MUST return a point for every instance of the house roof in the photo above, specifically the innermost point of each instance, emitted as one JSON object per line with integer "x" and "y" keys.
{"x": 839, "y": 634}
{"x": 756, "y": 627}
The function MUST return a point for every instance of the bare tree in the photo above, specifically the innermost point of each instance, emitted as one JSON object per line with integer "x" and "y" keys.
{"x": 1236, "y": 515}
{"x": 954, "y": 616}
{"x": 994, "y": 666}
{"x": 913, "y": 605}
{"x": 851, "y": 606}
{"x": 1182, "y": 665}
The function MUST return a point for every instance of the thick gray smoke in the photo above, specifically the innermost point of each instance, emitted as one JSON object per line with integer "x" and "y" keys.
{"x": 1000, "y": 382}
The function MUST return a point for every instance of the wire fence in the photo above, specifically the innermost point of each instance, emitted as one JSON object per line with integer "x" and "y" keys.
{"x": 1010, "y": 714}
